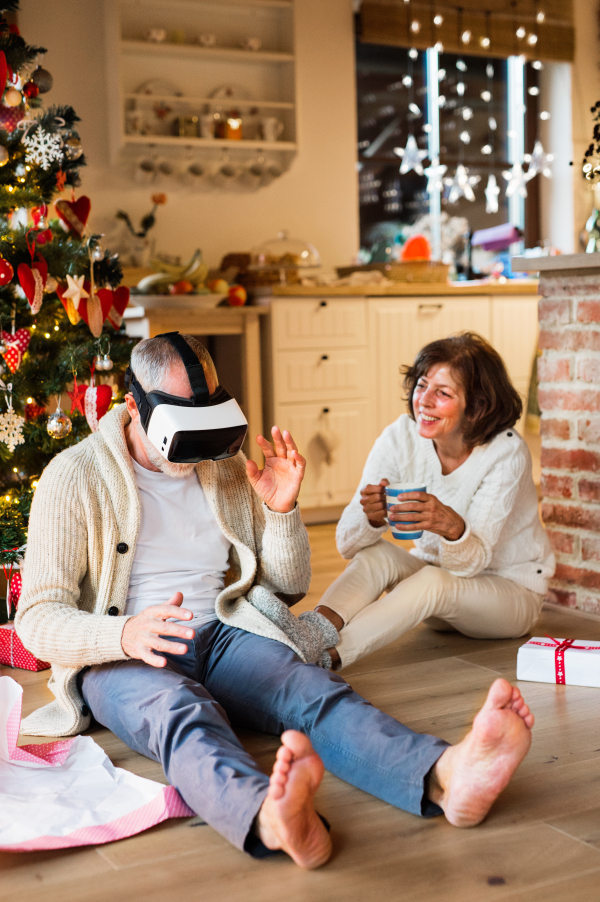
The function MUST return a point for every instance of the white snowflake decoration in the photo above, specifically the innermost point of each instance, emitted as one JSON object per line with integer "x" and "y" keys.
{"x": 11, "y": 426}
{"x": 42, "y": 148}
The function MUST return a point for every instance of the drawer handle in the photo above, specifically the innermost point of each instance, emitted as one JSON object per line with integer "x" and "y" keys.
{"x": 323, "y": 304}
{"x": 326, "y": 410}
{"x": 431, "y": 307}
{"x": 325, "y": 357}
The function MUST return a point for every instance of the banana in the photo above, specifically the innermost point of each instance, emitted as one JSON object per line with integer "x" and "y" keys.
{"x": 177, "y": 271}
{"x": 150, "y": 283}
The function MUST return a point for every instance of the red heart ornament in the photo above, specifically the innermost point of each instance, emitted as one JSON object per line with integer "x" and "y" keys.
{"x": 3, "y": 71}
{"x": 18, "y": 344}
{"x": 14, "y": 590}
{"x": 119, "y": 299}
{"x": 32, "y": 280}
{"x": 94, "y": 310}
{"x": 74, "y": 214}
{"x": 97, "y": 401}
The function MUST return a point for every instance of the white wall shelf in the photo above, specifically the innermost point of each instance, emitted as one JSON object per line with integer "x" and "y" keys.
{"x": 210, "y": 53}
{"x": 211, "y": 101}
{"x": 186, "y": 75}
{"x": 174, "y": 141}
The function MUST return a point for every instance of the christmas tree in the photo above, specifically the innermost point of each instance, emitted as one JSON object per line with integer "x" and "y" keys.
{"x": 60, "y": 303}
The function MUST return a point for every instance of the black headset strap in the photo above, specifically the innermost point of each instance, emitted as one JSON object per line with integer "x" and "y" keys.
{"x": 193, "y": 367}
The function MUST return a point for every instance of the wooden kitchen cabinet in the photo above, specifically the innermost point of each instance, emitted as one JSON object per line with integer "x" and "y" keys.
{"x": 332, "y": 371}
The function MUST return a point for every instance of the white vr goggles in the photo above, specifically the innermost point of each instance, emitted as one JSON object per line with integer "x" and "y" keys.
{"x": 188, "y": 430}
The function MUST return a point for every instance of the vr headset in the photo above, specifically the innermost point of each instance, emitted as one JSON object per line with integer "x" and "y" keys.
{"x": 188, "y": 430}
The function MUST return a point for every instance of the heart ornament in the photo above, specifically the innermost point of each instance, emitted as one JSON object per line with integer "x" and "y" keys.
{"x": 74, "y": 214}
{"x": 17, "y": 345}
{"x": 119, "y": 299}
{"x": 97, "y": 401}
{"x": 33, "y": 281}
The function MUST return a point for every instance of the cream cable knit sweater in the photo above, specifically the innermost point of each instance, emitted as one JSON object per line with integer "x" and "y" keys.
{"x": 493, "y": 491}
{"x": 83, "y": 529}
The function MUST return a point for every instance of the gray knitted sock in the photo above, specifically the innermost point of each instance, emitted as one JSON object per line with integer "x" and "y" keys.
{"x": 312, "y": 633}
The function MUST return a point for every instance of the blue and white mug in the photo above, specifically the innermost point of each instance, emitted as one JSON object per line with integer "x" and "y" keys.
{"x": 393, "y": 495}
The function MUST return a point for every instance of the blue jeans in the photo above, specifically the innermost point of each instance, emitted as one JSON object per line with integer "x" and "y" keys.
{"x": 181, "y": 716}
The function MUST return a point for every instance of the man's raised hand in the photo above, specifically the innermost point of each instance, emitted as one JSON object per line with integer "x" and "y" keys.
{"x": 141, "y": 635}
{"x": 278, "y": 483}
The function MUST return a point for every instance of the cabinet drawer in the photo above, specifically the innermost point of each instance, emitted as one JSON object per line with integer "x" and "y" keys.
{"x": 319, "y": 375}
{"x": 335, "y": 440}
{"x": 318, "y": 323}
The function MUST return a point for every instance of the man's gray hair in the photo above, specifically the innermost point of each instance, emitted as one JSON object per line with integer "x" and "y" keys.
{"x": 153, "y": 358}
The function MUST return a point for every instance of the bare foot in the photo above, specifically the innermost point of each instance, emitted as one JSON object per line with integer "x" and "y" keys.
{"x": 470, "y": 776}
{"x": 287, "y": 819}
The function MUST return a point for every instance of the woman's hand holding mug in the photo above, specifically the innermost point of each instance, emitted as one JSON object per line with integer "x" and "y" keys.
{"x": 372, "y": 498}
{"x": 421, "y": 511}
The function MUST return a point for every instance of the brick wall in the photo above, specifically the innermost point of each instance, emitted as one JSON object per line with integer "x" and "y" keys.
{"x": 569, "y": 398}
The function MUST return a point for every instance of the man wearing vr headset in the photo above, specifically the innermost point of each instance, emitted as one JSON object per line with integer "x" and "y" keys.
{"x": 159, "y": 505}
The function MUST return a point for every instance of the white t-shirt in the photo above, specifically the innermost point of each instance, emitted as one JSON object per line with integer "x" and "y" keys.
{"x": 180, "y": 547}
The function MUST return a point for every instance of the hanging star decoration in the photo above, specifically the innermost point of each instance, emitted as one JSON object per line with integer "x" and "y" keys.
{"x": 491, "y": 194}
{"x": 75, "y": 291}
{"x": 517, "y": 180}
{"x": 435, "y": 177}
{"x": 76, "y": 396}
{"x": 411, "y": 156}
{"x": 461, "y": 185}
{"x": 539, "y": 162}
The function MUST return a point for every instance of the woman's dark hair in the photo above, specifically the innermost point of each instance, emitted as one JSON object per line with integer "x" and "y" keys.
{"x": 492, "y": 402}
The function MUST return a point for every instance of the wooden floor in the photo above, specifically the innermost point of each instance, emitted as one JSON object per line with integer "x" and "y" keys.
{"x": 541, "y": 841}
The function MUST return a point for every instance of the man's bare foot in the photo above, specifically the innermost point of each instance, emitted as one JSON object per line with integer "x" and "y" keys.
{"x": 287, "y": 819}
{"x": 470, "y": 776}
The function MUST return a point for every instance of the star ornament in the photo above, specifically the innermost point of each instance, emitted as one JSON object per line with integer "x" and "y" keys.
{"x": 411, "y": 156}
{"x": 517, "y": 180}
{"x": 461, "y": 185}
{"x": 491, "y": 194}
{"x": 75, "y": 291}
{"x": 435, "y": 177}
{"x": 540, "y": 162}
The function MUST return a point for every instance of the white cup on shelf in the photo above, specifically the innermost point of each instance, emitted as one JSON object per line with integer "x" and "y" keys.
{"x": 194, "y": 173}
{"x": 207, "y": 40}
{"x": 207, "y": 125}
{"x": 271, "y": 128}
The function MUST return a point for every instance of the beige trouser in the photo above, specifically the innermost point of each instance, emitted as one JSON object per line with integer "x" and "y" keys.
{"x": 483, "y": 607}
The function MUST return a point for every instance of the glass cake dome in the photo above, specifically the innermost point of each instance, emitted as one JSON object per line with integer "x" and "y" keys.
{"x": 285, "y": 255}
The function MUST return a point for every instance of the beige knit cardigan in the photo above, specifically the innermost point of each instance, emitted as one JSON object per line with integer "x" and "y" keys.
{"x": 85, "y": 508}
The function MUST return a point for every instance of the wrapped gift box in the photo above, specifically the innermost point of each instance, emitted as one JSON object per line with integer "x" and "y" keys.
{"x": 13, "y": 653}
{"x": 574, "y": 662}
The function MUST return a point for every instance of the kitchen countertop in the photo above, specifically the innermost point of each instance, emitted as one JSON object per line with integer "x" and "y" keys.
{"x": 412, "y": 289}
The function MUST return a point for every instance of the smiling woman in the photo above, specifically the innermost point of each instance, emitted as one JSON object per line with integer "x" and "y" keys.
{"x": 483, "y": 561}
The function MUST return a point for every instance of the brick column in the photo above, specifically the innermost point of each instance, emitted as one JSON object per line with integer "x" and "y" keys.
{"x": 569, "y": 398}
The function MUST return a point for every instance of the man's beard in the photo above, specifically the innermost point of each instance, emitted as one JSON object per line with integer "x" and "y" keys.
{"x": 175, "y": 471}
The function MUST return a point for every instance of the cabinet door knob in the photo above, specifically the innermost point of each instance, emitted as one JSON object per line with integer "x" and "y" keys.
{"x": 326, "y": 410}
{"x": 325, "y": 357}
{"x": 323, "y": 304}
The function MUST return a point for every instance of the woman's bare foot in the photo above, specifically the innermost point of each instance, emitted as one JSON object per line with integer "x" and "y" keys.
{"x": 470, "y": 776}
{"x": 287, "y": 819}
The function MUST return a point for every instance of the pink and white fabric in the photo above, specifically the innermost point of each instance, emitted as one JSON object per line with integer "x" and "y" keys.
{"x": 68, "y": 793}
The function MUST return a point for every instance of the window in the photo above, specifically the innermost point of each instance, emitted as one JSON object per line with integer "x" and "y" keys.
{"x": 467, "y": 120}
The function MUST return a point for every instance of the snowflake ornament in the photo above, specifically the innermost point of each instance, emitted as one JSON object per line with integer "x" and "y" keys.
{"x": 43, "y": 148}
{"x": 11, "y": 429}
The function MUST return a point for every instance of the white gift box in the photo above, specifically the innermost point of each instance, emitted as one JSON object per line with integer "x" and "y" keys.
{"x": 574, "y": 662}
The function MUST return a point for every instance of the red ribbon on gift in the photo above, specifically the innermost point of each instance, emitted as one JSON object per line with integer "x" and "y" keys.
{"x": 559, "y": 654}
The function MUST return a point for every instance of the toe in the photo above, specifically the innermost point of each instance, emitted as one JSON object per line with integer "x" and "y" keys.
{"x": 297, "y": 743}
{"x": 500, "y": 694}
